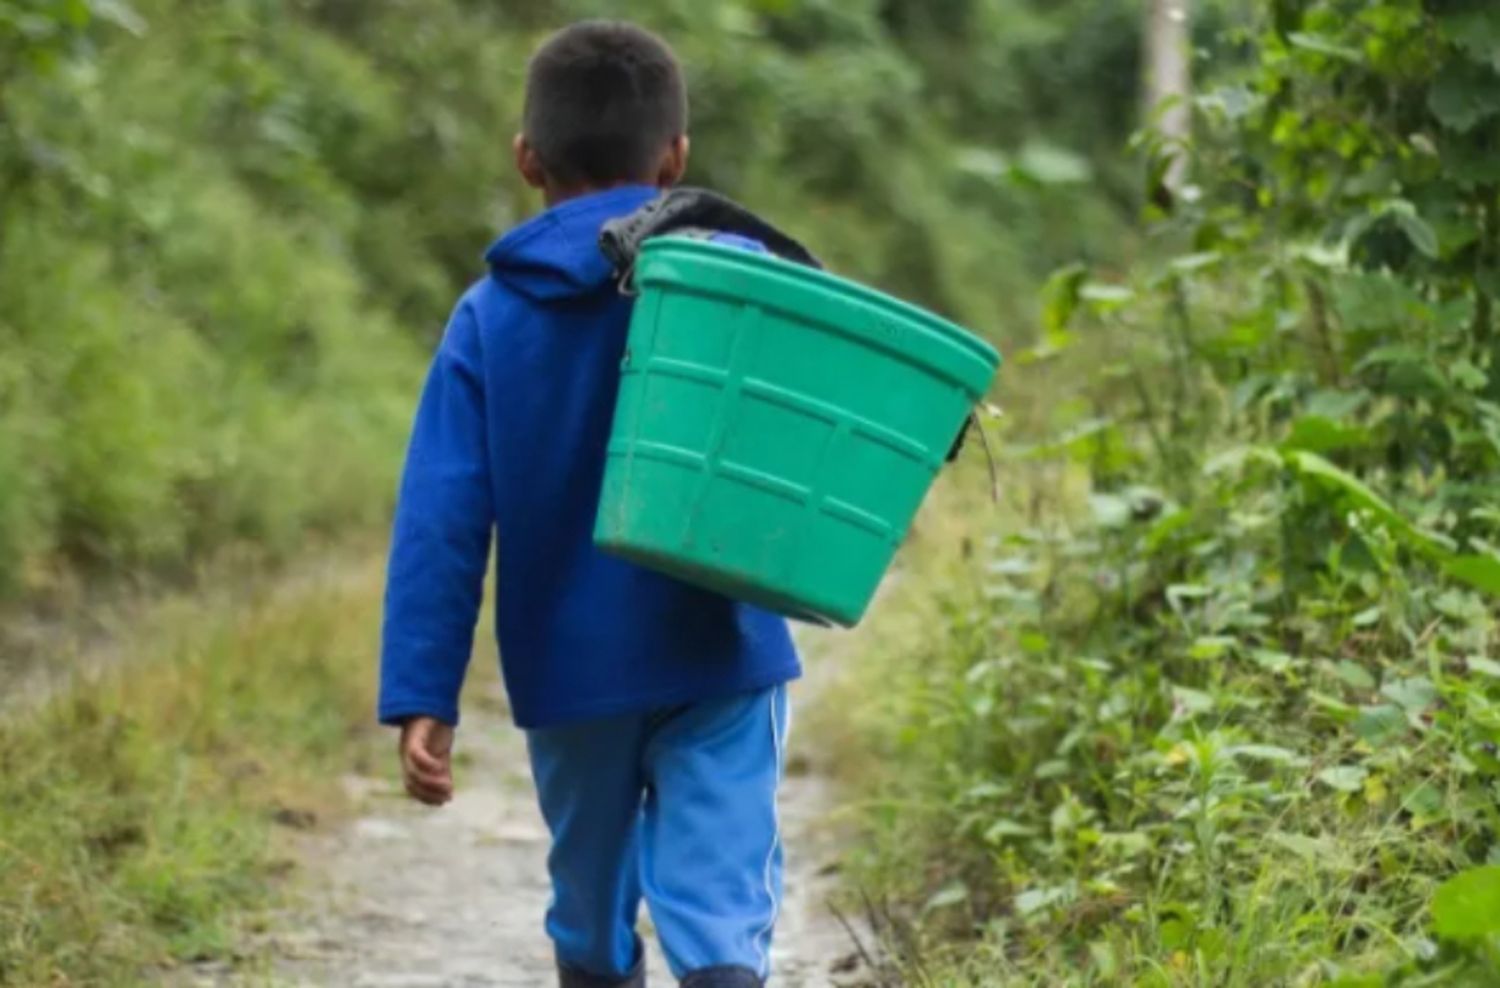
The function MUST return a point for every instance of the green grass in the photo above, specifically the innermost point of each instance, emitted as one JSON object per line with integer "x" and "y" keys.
{"x": 138, "y": 827}
{"x": 1064, "y": 782}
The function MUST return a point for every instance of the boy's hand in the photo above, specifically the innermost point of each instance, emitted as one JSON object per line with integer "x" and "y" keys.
{"x": 426, "y": 760}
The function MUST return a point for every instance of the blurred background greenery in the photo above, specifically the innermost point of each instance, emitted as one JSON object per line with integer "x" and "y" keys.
{"x": 233, "y": 229}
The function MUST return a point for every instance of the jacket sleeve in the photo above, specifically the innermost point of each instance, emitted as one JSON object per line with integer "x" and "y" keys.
{"x": 441, "y": 543}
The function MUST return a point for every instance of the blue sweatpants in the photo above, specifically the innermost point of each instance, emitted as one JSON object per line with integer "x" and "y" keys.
{"x": 678, "y": 806}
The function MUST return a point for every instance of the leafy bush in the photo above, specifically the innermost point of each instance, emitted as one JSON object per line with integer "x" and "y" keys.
{"x": 184, "y": 367}
{"x": 1220, "y": 705}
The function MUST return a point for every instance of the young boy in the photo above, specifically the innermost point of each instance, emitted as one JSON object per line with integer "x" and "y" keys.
{"x": 655, "y": 713}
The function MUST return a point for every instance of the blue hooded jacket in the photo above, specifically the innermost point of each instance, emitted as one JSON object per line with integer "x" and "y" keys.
{"x": 510, "y": 436}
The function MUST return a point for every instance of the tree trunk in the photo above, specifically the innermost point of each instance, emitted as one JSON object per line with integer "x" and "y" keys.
{"x": 1169, "y": 82}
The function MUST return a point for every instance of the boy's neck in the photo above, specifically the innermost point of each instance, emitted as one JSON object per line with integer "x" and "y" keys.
{"x": 554, "y": 195}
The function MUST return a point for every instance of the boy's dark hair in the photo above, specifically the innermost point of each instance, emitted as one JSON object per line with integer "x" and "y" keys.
{"x": 603, "y": 101}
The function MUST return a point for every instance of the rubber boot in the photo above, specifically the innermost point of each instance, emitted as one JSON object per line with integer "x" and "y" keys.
{"x": 572, "y": 977}
{"x": 723, "y": 977}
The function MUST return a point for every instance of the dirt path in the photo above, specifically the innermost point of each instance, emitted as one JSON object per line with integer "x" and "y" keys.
{"x": 409, "y": 898}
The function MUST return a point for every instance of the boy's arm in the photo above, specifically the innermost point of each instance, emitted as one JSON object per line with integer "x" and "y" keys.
{"x": 441, "y": 544}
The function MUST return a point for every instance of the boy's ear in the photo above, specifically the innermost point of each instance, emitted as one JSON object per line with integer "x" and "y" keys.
{"x": 674, "y": 163}
{"x": 528, "y": 163}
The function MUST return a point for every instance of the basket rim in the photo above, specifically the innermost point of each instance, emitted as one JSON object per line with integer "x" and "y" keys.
{"x": 769, "y": 263}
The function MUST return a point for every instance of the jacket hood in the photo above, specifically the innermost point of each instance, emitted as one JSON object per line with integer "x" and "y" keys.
{"x": 556, "y": 255}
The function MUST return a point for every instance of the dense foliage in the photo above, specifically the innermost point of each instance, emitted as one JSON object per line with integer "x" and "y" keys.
{"x": 231, "y": 228}
{"x": 1221, "y": 705}
{"x": 188, "y": 353}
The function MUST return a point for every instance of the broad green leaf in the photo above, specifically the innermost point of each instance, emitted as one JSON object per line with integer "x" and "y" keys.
{"x": 1047, "y": 164}
{"x": 1035, "y": 900}
{"x": 1476, "y": 31}
{"x": 1425, "y": 800}
{"x": 1012, "y": 566}
{"x": 1060, "y": 298}
{"x": 1417, "y": 230}
{"x": 1191, "y": 701}
{"x": 1172, "y": 523}
{"x": 1303, "y": 845}
{"x": 1130, "y": 844}
{"x": 1405, "y": 370}
{"x": 1333, "y": 706}
{"x": 1378, "y": 724}
{"x": 998, "y": 831}
{"x": 1268, "y": 753}
{"x": 1422, "y": 236}
{"x": 1355, "y": 675}
{"x": 120, "y": 14}
{"x": 1188, "y": 263}
{"x": 1105, "y": 295}
{"x": 1344, "y": 778}
{"x": 1109, "y": 510}
{"x": 1271, "y": 660}
{"x": 983, "y": 162}
{"x": 78, "y": 13}
{"x": 1464, "y": 95}
{"x": 1324, "y": 46}
{"x": 1467, "y": 375}
{"x": 948, "y": 896}
{"x": 1315, "y": 466}
{"x": 1054, "y": 768}
{"x": 1320, "y": 254}
{"x": 1234, "y": 102}
{"x": 1317, "y": 434}
{"x": 1175, "y": 934}
{"x": 1485, "y": 667}
{"x": 1362, "y": 496}
{"x": 1470, "y": 161}
{"x": 1413, "y": 695}
{"x": 1377, "y": 301}
{"x": 1479, "y": 572}
{"x": 1466, "y": 908}
{"x": 1207, "y": 647}
{"x": 1236, "y": 459}
{"x": 1336, "y": 405}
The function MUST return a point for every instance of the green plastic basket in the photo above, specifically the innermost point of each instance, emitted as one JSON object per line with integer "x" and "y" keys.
{"x": 778, "y": 427}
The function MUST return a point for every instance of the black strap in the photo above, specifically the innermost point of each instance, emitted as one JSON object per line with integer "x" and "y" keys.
{"x": 689, "y": 211}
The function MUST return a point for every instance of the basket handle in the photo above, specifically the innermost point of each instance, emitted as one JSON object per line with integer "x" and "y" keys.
{"x": 974, "y": 422}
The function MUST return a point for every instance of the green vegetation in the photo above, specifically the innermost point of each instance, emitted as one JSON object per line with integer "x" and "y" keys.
{"x": 139, "y": 809}
{"x": 182, "y": 363}
{"x": 231, "y": 229}
{"x": 1217, "y": 704}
